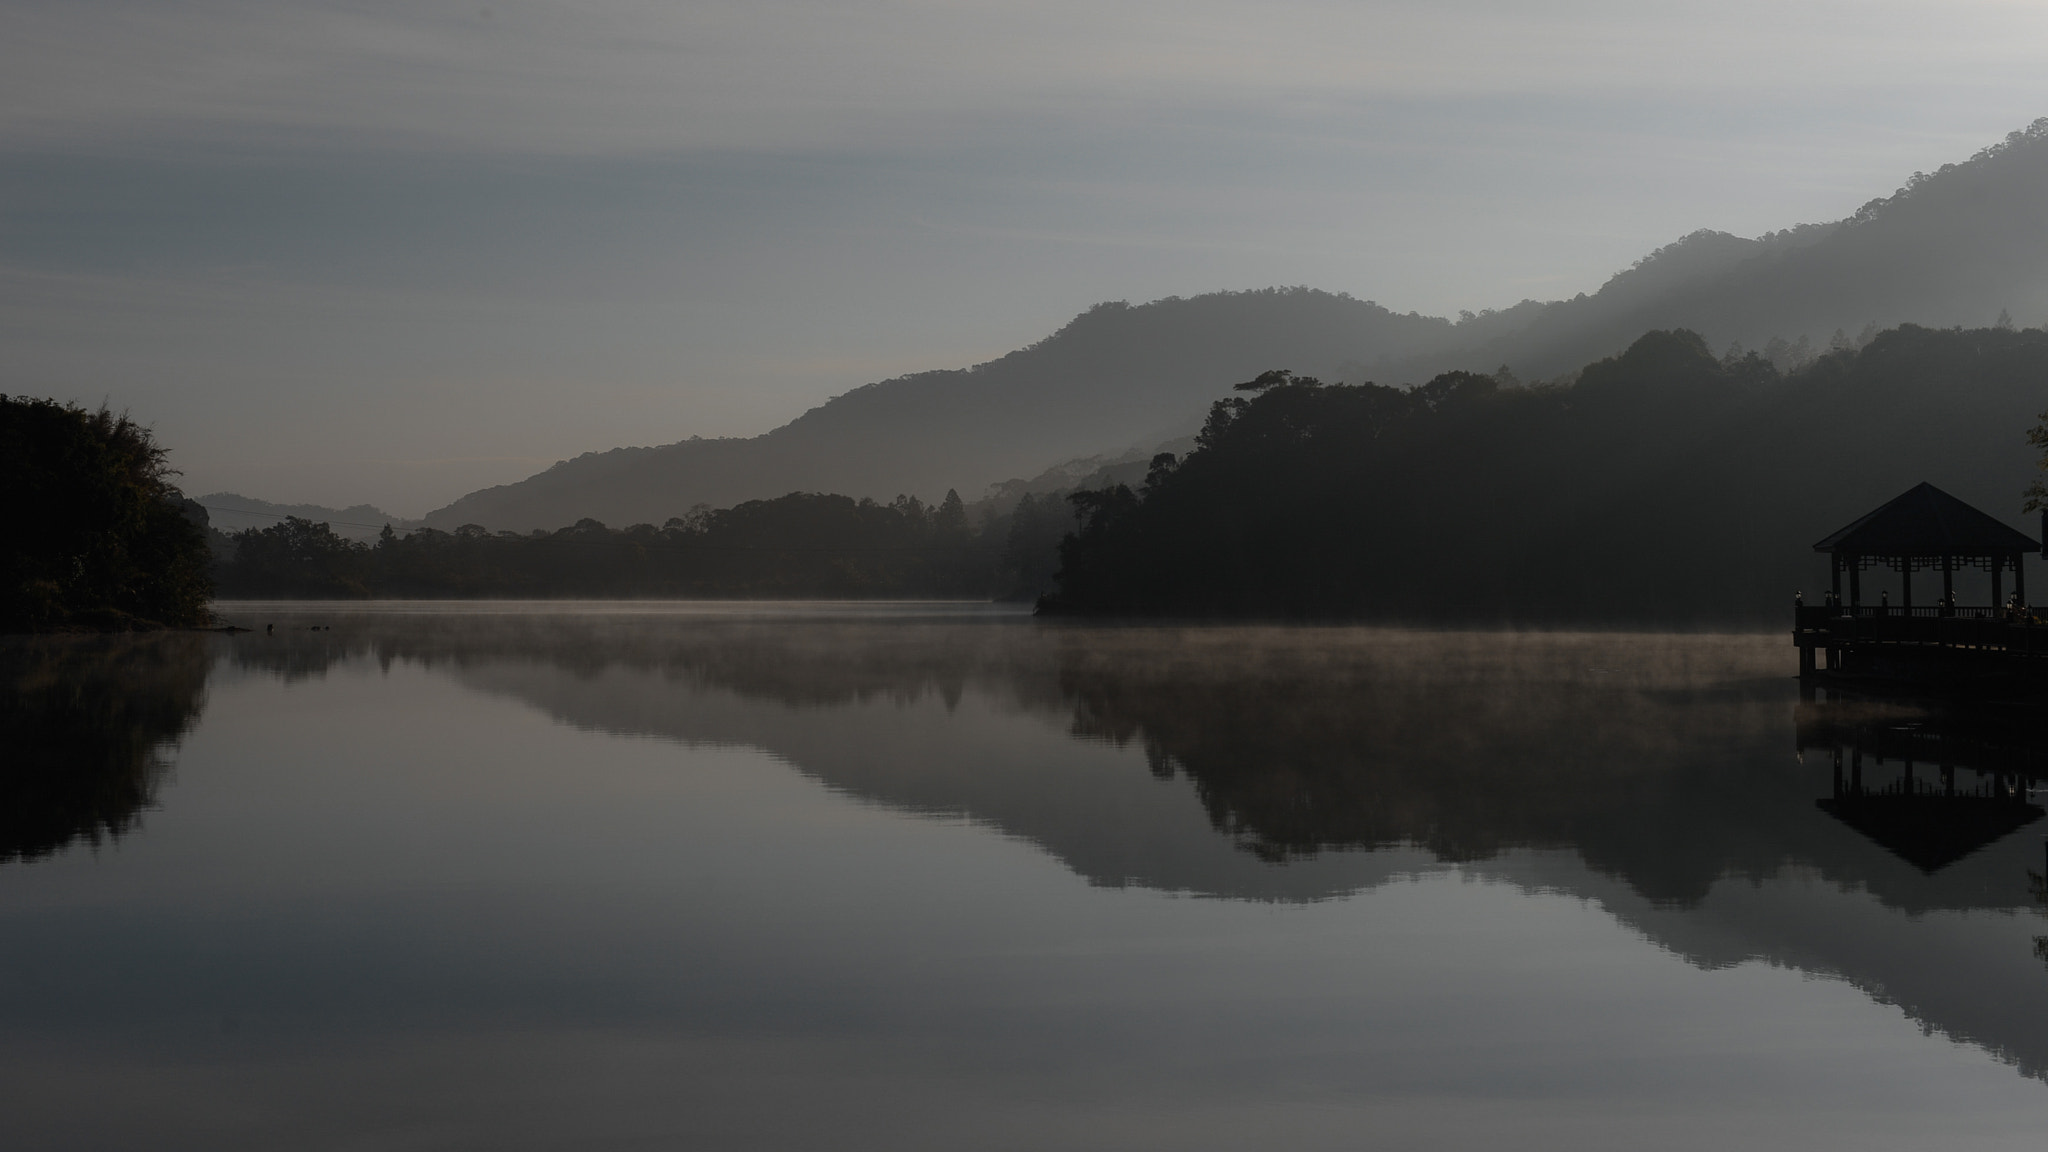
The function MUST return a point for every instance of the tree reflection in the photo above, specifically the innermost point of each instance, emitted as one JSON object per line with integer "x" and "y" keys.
{"x": 2038, "y": 885}
{"x": 1641, "y": 772}
{"x": 821, "y": 663}
{"x": 85, "y": 721}
{"x": 1663, "y": 760}
{"x": 1638, "y": 751}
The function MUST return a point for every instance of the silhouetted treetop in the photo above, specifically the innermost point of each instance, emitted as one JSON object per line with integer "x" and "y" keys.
{"x": 100, "y": 537}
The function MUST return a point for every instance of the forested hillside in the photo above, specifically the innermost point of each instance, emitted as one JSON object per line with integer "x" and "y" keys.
{"x": 1959, "y": 246}
{"x": 1665, "y": 485}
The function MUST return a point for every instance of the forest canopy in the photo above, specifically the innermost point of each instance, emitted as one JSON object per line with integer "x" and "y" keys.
{"x": 1666, "y": 485}
{"x": 101, "y": 538}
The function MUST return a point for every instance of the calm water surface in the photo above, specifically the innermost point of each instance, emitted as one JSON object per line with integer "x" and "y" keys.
{"x": 839, "y": 876}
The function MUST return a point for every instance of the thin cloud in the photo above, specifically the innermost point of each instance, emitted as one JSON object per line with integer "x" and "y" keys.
{"x": 632, "y": 77}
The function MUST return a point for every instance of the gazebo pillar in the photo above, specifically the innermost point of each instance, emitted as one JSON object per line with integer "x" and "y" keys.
{"x": 1948, "y": 584}
{"x": 1998, "y": 581}
{"x": 1906, "y": 583}
{"x": 1835, "y": 569}
{"x": 2019, "y": 577}
{"x": 1855, "y": 565}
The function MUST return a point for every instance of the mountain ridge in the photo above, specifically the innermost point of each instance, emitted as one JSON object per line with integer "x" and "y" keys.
{"x": 1962, "y": 245}
{"x": 974, "y": 427}
{"x": 232, "y": 512}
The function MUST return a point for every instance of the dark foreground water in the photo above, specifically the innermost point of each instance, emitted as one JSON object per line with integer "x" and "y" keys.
{"x": 726, "y": 877}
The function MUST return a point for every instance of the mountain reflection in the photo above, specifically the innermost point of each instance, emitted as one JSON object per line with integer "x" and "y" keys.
{"x": 1664, "y": 760}
{"x": 1674, "y": 780}
{"x": 84, "y": 721}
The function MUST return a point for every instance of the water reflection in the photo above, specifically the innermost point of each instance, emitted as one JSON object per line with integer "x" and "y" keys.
{"x": 85, "y": 723}
{"x": 1673, "y": 785}
{"x": 1320, "y": 760}
{"x": 1931, "y": 784}
{"x": 1662, "y": 760}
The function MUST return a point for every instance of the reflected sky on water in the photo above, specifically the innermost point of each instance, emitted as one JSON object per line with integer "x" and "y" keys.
{"x": 866, "y": 876}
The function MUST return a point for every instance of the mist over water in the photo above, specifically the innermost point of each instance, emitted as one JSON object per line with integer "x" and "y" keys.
{"x": 753, "y": 875}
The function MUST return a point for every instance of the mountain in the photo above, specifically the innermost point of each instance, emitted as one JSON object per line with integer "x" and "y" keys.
{"x": 1116, "y": 377}
{"x": 232, "y": 513}
{"x": 1964, "y": 245}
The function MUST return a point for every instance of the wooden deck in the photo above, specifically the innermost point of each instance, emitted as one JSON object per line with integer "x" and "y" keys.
{"x": 1882, "y": 640}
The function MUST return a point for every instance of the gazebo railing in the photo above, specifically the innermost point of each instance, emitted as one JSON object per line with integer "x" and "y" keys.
{"x": 1811, "y": 614}
{"x": 1990, "y": 629}
{"x": 1879, "y": 611}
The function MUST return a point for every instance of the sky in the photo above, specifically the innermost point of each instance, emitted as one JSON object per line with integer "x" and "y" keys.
{"x": 394, "y": 252}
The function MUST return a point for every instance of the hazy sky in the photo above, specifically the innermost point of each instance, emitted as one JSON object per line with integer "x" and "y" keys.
{"x": 396, "y": 251}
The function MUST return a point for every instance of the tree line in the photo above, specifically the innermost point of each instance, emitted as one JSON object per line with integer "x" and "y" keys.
{"x": 799, "y": 545}
{"x": 1665, "y": 485}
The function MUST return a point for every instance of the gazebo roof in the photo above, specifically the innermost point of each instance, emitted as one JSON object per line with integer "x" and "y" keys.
{"x": 1931, "y": 832}
{"x": 1925, "y": 521}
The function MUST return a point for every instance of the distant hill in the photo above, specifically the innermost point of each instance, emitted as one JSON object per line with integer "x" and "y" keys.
{"x": 1961, "y": 246}
{"x": 1117, "y": 377}
{"x": 1964, "y": 245}
{"x": 232, "y": 513}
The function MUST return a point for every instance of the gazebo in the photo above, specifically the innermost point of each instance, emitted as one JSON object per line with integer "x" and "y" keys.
{"x": 1925, "y": 527}
{"x": 1921, "y": 529}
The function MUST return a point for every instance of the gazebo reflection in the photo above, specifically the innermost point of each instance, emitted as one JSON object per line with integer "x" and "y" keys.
{"x": 1929, "y": 788}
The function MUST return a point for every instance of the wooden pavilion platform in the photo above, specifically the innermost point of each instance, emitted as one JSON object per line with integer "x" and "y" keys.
{"x": 1923, "y": 530}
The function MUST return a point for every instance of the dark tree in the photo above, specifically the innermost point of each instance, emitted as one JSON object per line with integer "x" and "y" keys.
{"x": 100, "y": 538}
{"x": 2037, "y": 437}
{"x": 1662, "y": 486}
{"x": 295, "y": 558}
{"x": 1031, "y": 546}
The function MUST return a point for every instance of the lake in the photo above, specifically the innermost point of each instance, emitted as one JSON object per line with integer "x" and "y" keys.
{"x": 709, "y": 876}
